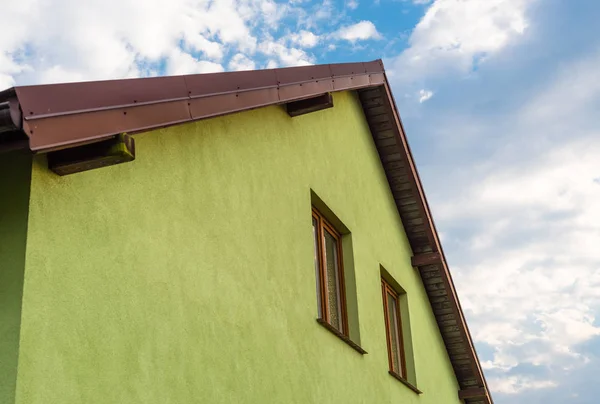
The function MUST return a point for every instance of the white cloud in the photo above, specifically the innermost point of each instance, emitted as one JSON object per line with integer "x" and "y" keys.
{"x": 515, "y": 385}
{"x": 272, "y": 64}
{"x": 286, "y": 56}
{"x": 59, "y": 40}
{"x": 358, "y": 32}
{"x": 467, "y": 27}
{"x": 324, "y": 11}
{"x": 241, "y": 62}
{"x": 424, "y": 95}
{"x": 315, "y": 16}
{"x": 529, "y": 273}
{"x": 212, "y": 49}
{"x": 455, "y": 35}
{"x": 304, "y": 39}
{"x": 352, "y": 4}
{"x": 545, "y": 289}
{"x": 180, "y": 62}
{"x": 65, "y": 41}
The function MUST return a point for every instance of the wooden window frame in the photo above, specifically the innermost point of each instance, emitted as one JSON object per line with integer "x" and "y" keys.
{"x": 385, "y": 289}
{"x": 323, "y": 224}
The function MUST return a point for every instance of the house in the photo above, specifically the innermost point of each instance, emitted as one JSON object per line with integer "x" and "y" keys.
{"x": 244, "y": 237}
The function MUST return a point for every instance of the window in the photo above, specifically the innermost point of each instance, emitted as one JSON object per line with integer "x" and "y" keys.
{"x": 393, "y": 327}
{"x": 329, "y": 273}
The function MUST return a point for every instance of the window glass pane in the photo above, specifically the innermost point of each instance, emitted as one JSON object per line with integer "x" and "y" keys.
{"x": 317, "y": 266}
{"x": 333, "y": 281}
{"x": 394, "y": 343}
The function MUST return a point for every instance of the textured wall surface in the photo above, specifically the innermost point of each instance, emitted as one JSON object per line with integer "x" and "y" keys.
{"x": 187, "y": 276}
{"x": 15, "y": 175}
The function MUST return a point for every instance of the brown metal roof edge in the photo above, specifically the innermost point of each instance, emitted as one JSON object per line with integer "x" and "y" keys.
{"x": 433, "y": 234}
{"x": 10, "y": 113}
{"x": 60, "y": 115}
{"x": 67, "y": 115}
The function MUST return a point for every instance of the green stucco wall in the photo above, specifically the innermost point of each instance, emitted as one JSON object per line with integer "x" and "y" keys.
{"x": 187, "y": 276}
{"x": 15, "y": 175}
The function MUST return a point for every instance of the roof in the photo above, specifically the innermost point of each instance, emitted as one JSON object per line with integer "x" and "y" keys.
{"x": 50, "y": 117}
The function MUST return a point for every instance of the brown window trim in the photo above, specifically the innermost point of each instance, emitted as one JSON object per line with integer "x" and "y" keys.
{"x": 341, "y": 336}
{"x": 404, "y": 382}
{"x": 385, "y": 289}
{"x": 323, "y": 223}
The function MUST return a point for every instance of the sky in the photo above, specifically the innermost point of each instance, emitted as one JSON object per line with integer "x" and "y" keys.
{"x": 499, "y": 99}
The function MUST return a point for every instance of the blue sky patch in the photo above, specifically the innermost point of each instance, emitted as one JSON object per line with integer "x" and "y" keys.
{"x": 500, "y": 101}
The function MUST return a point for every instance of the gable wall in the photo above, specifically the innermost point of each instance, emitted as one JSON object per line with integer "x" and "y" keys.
{"x": 188, "y": 275}
{"x": 15, "y": 176}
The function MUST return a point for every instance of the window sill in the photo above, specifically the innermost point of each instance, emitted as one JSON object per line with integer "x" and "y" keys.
{"x": 341, "y": 336}
{"x": 404, "y": 382}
